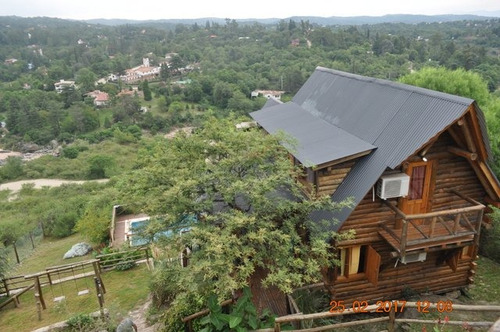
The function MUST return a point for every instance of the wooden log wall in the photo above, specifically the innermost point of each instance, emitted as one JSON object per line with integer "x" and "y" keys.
{"x": 451, "y": 172}
{"x": 421, "y": 277}
{"x": 328, "y": 179}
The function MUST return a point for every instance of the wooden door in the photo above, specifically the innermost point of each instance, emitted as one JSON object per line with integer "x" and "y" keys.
{"x": 418, "y": 197}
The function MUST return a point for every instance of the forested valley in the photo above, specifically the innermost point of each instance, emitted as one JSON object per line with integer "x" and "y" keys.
{"x": 212, "y": 67}
{"x": 196, "y": 77}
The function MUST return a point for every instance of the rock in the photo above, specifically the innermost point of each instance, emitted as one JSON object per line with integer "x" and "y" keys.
{"x": 79, "y": 249}
{"x": 453, "y": 295}
{"x": 127, "y": 325}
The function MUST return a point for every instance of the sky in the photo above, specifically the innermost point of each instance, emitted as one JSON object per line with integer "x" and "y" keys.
{"x": 179, "y": 9}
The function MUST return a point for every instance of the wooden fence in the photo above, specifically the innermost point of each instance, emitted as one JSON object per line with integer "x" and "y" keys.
{"x": 14, "y": 284}
{"x": 112, "y": 260}
{"x": 13, "y": 287}
{"x": 388, "y": 316}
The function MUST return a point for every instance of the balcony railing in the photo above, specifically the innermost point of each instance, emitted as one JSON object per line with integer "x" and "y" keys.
{"x": 439, "y": 229}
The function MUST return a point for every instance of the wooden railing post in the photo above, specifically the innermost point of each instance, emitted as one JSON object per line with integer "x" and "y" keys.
{"x": 433, "y": 225}
{"x": 457, "y": 221}
{"x": 404, "y": 233}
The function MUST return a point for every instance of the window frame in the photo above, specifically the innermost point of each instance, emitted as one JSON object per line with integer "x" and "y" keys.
{"x": 371, "y": 264}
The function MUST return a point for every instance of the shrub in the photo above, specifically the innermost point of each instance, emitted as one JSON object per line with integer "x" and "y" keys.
{"x": 81, "y": 322}
{"x": 71, "y": 152}
{"x": 490, "y": 237}
{"x": 99, "y": 165}
{"x": 12, "y": 169}
{"x": 121, "y": 260}
{"x": 126, "y": 265}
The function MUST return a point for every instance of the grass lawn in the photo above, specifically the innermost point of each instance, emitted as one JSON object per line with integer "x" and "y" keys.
{"x": 49, "y": 252}
{"x": 486, "y": 287}
{"x": 125, "y": 290}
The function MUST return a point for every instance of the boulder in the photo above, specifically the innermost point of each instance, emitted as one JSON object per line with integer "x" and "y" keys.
{"x": 79, "y": 249}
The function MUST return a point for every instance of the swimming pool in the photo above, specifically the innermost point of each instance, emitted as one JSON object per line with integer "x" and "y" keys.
{"x": 136, "y": 225}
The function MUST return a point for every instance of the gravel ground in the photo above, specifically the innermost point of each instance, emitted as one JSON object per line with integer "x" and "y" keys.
{"x": 39, "y": 183}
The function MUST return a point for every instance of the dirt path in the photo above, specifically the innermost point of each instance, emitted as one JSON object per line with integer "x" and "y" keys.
{"x": 39, "y": 183}
{"x": 138, "y": 316}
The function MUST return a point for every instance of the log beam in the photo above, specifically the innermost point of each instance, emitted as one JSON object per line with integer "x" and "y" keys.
{"x": 462, "y": 153}
{"x": 462, "y": 123}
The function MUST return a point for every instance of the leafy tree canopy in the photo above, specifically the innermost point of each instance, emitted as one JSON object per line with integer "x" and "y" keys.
{"x": 457, "y": 82}
{"x": 467, "y": 84}
{"x": 251, "y": 211}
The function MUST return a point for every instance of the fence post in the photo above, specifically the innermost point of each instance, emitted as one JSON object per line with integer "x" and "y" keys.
{"x": 392, "y": 319}
{"x": 38, "y": 292}
{"x": 38, "y": 306}
{"x": 32, "y": 242}
{"x": 6, "y": 286}
{"x": 43, "y": 230}
{"x": 147, "y": 258}
{"x": 97, "y": 273}
{"x": 100, "y": 295}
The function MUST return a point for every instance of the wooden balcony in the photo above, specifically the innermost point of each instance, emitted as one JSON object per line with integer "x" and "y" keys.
{"x": 434, "y": 230}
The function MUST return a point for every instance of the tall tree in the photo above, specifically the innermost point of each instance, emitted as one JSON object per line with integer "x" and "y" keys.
{"x": 85, "y": 79}
{"x": 467, "y": 84}
{"x": 251, "y": 212}
{"x": 146, "y": 90}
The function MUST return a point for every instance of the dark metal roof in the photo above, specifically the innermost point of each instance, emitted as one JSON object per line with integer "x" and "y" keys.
{"x": 315, "y": 140}
{"x": 272, "y": 102}
{"x": 395, "y": 118}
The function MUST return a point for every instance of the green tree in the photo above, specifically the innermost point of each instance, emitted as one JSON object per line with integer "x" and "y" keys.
{"x": 240, "y": 103}
{"x": 94, "y": 224}
{"x": 458, "y": 82}
{"x": 12, "y": 169}
{"x": 467, "y": 84}
{"x": 99, "y": 166}
{"x": 9, "y": 234}
{"x": 146, "y": 91}
{"x": 85, "y": 79}
{"x": 251, "y": 211}
{"x": 222, "y": 93}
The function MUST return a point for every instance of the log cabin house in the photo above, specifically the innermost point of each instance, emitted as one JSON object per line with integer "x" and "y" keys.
{"x": 415, "y": 163}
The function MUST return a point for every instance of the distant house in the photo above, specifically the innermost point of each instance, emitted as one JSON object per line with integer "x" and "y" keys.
{"x": 113, "y": 78}
{"x": 10, "y": 61}
{"x": 141, "y": 73}
{"x": 101, "y": 81}
{"x": 170, "y": 56}
{"x": 413, "y": 160}
{"x": 276, "y": 94}
{"x": 131, "y": 92}
{"x": 101, "y": 98}
{"x": 63, "y": 84}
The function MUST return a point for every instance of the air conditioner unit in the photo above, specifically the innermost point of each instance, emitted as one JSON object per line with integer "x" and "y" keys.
{"x": 393, "y": 185}
{"x": 412, "y": 258}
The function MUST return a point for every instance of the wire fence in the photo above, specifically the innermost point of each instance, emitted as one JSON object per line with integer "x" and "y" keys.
{"x": 24, "y": 246}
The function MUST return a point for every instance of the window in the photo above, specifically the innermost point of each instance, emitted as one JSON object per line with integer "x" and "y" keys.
{"x": 352, "y": 260}
{"x": 417, "y": 180}
{"x": 467, "y": 252}
{"x": 358, "y": 262}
